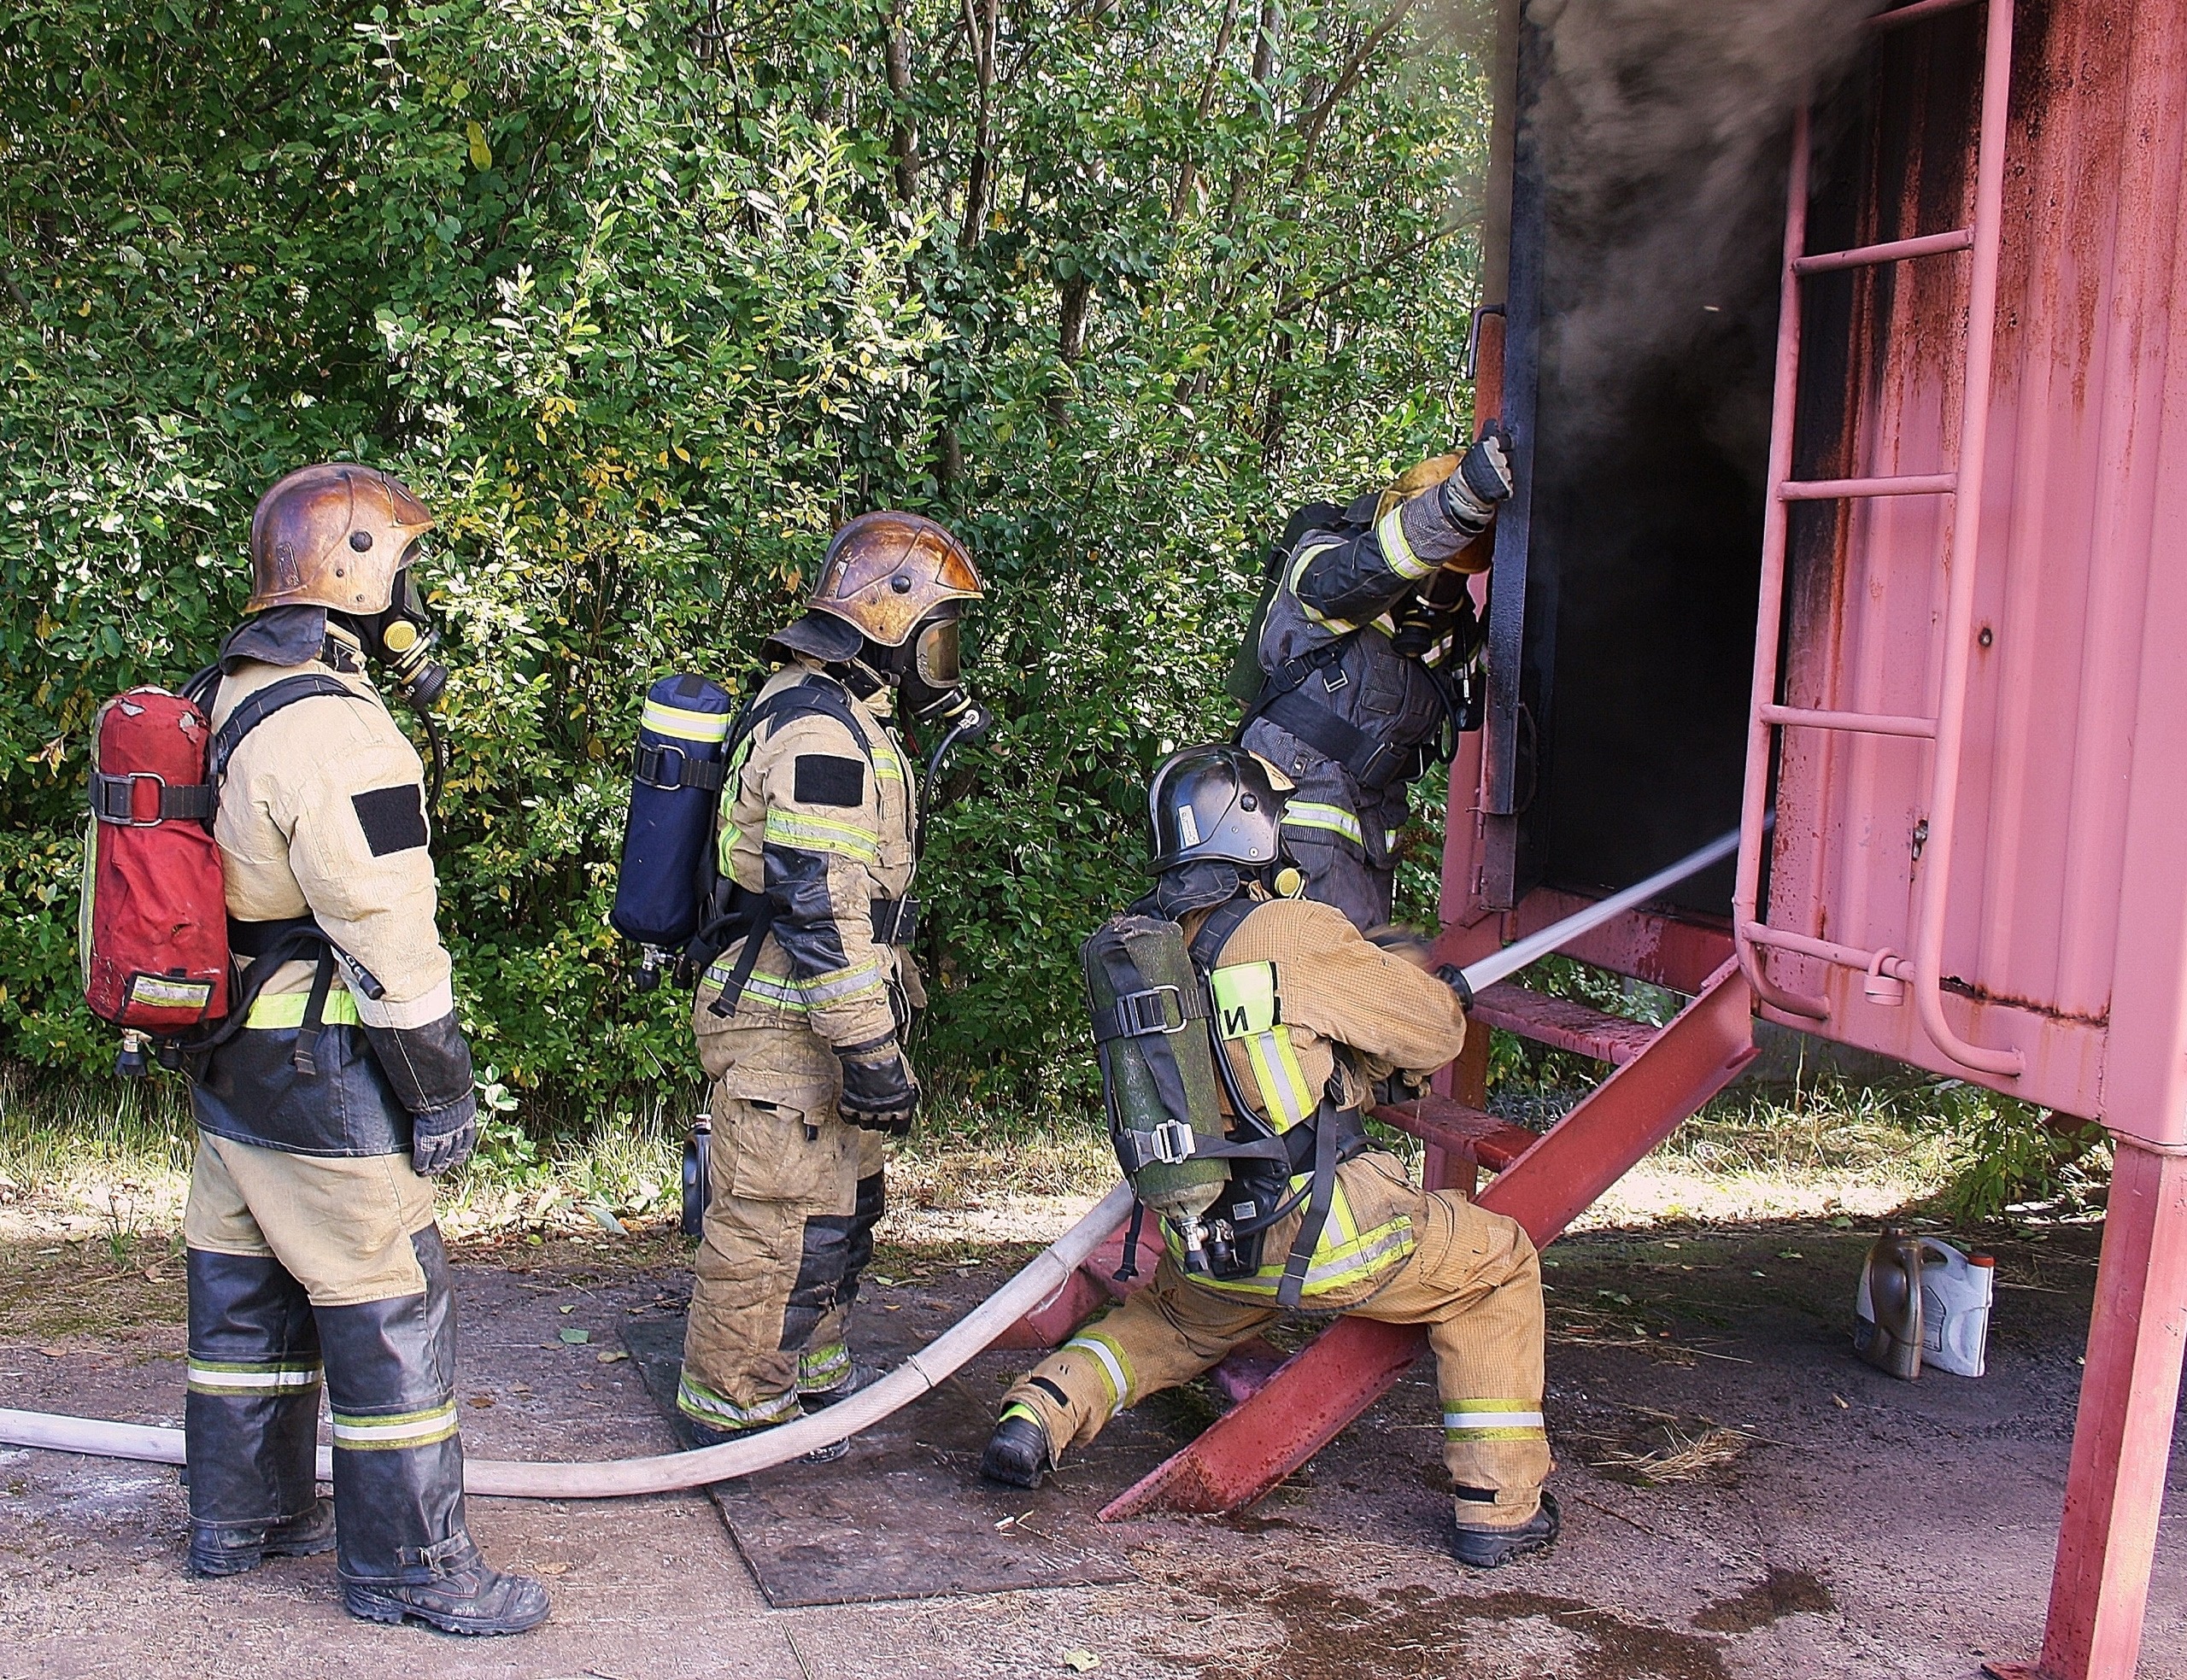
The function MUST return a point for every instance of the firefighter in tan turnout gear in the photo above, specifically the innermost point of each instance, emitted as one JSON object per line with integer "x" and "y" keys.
{"x": 342, "y": 1087}
{"x": 1310, "y": 1013}
{"x": 800, "y": 1017}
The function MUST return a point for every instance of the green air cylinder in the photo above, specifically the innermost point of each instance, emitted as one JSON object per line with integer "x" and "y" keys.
{"x": 1157, "y": 1068}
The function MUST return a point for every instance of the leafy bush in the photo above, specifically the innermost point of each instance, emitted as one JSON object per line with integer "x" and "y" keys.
{"x": 644, "y": 300}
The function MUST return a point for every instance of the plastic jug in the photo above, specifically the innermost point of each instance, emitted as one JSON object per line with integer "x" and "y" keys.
{"x": 1887, "y": 1310}
{"x": 1957, "y": 1289}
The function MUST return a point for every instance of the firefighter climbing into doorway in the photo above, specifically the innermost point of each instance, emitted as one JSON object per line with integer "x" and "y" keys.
{"x": 1368, "y": 654}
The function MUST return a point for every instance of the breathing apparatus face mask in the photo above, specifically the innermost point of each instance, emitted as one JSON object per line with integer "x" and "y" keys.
{"x": 403, "y": 636}
{"x": 933, "y": 679}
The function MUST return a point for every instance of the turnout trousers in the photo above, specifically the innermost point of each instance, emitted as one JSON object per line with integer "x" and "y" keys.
{"x": 795, "y": 1196}
{"x": 1473, "y": 1280}
{"x": 305, "y": 1270}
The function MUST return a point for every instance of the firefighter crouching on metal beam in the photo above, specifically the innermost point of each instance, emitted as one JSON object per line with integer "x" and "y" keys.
{"x": 344, "y": 1088}
{"x": 1369, "y": 653}
{"x": 1308, "y": 1014}
{"x": 809, "y": 982}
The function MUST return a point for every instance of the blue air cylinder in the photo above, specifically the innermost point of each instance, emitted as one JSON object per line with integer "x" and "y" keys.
{"x": 676, "y": 780}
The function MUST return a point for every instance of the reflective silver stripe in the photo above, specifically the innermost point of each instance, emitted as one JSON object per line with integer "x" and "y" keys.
{"x": 217, "y": 1378}
{"x": 414, "y": 1429}
{"x": 696, "y": 1400}
{"x": 1459, "y": 1422}
{"x": 1312, "y": 814}
{"x": 846, "y": 983}
{"x": 437, "y": 1005}
{"x": 675, "y": 720}
{"x": 1112, "y": 1367}
{"x": 1389, "y": 531}
{"x": 1299, "y": 562}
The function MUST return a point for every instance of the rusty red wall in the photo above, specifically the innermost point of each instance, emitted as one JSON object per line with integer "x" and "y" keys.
{"x": 2066, "y": 933}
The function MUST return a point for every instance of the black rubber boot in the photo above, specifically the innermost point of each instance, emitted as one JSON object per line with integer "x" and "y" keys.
{"x": 475, "y": 1598}
{"x": 405, "y": 1552}
{"x": 218, "y": 1548}
{"x": 250, "y": 1417}
{"x": 1018, "y": 1453}
{"x": 1493, "y": 1547}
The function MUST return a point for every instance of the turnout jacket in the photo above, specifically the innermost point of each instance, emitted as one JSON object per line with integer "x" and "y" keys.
{"x": 816, "y": 819}
{"x": 322, "y": 822}
{"x": 1334, "y": 613}
{"x": 1304, "y": 1003}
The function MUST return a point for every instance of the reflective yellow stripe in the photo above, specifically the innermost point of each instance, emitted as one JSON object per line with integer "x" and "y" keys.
{"x": 887, "y": 766}
{"x": 674, "y": 720}
{"x": 786, "y": 991}
{"x": 1389, "y": 531}
{"x": 732, "y": 779}
{"x": 694, "y": 1399}
{"x": 1342, "y": 1257}
{"x": 1471, "y": 1421}
{"x": 1308, "y": 814}
{"x": 286, "y": 1009}
{"x": 382, "y": 1434}
{"x": 844, "y": 983}
{"x": 1285, "y": 1095}
{"x": 1109, "y": 1358}
{"x": 821, "y": 833}
{"x": 1299, "y": 565}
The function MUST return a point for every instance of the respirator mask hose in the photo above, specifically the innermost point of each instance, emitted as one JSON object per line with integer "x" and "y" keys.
{"x": 402, "y": 637}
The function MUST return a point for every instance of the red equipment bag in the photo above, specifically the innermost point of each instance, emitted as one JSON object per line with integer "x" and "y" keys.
{"x": 155, "y": 931}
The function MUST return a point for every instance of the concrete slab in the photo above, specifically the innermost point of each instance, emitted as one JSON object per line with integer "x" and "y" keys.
{"x": 903, "y": 1514}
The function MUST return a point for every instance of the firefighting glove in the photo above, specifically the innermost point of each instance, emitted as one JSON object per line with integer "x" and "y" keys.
{"x": 1483, "y": 479}
{"x": 1455, "y": 977}
{"x": 879, "y": 1093}
{"x": 444, "y": 1138}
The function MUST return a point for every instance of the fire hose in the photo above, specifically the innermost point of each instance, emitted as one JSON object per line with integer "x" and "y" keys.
{"x": 1039, "y": 1282}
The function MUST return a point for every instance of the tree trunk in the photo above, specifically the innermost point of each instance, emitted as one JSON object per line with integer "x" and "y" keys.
{"x": 976, "y": 176}
{"x": 1073, "y": 307}
{"x": 904, "y": 137}
{"x": 1188, "y": 174}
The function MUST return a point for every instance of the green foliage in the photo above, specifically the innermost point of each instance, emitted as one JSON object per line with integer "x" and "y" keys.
{"x": 2013, "y": 1154}
{"x": 643, "y": 306}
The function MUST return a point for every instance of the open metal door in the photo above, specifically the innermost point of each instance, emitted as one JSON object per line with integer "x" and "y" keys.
{"x": 1623, "y": 595}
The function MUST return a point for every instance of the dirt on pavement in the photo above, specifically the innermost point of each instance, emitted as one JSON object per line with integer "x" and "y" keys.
{"x": 1742, "y": 1496}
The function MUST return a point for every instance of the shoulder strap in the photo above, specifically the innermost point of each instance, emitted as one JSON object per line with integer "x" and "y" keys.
{"x": 255, "y": 708}
{"x": 818, "y": 696}
{"x": 1224, "y": 920}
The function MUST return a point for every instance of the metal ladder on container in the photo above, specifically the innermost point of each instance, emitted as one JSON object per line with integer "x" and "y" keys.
{"x": 1888, "y": 972}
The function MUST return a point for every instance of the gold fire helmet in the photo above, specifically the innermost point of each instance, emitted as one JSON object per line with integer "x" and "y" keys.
{"x": 1415, "y": 479}
{"x": 332, "y": 535}
{"x": 886, "y": 572}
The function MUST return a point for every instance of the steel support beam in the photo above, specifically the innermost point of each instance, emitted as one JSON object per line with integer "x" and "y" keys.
{"x": 2122, "y": 1438}
{"x": 1350, "y": 1366}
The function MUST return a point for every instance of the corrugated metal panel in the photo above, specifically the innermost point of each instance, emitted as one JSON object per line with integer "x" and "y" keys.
{"x": 2067, "y": 935}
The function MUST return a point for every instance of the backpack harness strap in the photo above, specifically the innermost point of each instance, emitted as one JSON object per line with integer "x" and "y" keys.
{"x": 269, "y": 945}
{"x": 1315, "y": 1147}
{"x": 751, "y": 916}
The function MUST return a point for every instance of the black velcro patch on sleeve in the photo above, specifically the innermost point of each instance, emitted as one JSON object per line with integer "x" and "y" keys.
{"x": 393, "y": 818}
{"x": 826, "y": 780}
